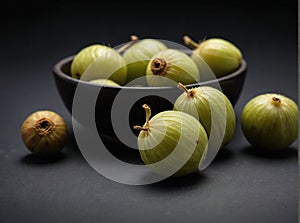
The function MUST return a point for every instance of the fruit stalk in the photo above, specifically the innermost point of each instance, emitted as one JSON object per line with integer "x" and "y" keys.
{"x": 190, "y": 93}
{"x": 145, "y": 127}
{"x": 189, "y": 42}
{"x": 133, "y": 39}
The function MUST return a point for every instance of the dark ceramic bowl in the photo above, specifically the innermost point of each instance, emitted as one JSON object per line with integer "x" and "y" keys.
{"x": 231, "y": 85}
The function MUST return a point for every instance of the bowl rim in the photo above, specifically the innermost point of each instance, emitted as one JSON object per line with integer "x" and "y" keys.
{"x": 57, "y": 70}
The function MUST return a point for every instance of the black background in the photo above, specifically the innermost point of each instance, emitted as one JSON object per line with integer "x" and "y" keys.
{"x": 241, "y": 185}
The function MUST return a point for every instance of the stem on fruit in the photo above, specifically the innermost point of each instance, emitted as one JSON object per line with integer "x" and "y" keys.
{"x": 148, "y": 115}
{"x": 276, "y": 101}
{"x": 190, "y": 92}
{"x": 189, "y": 42}
{"x": 141, "y": 128}
{"x": 159, "y": 66}
{"x": 180, "y": 85}
{"x": 44, "y": 126}
{"x": 133, "y": 39}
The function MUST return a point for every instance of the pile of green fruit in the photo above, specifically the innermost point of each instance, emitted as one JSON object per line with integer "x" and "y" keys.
{"x": 154, "y": 60}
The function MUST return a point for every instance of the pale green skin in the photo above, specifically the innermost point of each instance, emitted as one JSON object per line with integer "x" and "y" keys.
{"x": 270, "y": 126}
{"x": 99, "y": 62}
{"x": 222, "y": 56}
{"x": 180, "y": 68}
{"x": 163, "y": 136}
{"x": 106, "y": 82}
{"x": 138, "y": 56}
{"x": 199, "y": 106}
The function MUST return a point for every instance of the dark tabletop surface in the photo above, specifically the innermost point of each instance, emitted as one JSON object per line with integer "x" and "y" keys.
{"x": 240, "y": 185}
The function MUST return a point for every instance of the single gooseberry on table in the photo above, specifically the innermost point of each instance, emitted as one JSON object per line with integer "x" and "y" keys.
{"x": 270, "y": 121}
{"x": 44, "y": 133}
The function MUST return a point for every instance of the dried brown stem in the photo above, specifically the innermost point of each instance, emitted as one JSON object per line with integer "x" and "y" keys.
{"x": 189, "y": 42}
{"x": 190, "y": 92}
{"x": 148, "y": 115}
{"x": 44, "y": 126}
{"x": 133, "y": 39}
{"x": 141, "y": 128}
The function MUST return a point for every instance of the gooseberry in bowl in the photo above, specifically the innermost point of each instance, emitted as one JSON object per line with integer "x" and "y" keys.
{"x": 99, "y": 61}
{"x": 170, "y": 66}
{"x": 222, "y": 56}
{"x": 139, "y": 54}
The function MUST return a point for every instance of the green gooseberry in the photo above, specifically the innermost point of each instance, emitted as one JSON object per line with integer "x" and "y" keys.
{"x": 138, "y": 56}
{"x": 171, "y": 143}
{"x": 171, "y": 66}
{"x": 222, "y": 56}
{"x": 270, "y": 121}
{"x": 200, "y": 101}
{"x": 99, "y": 62}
